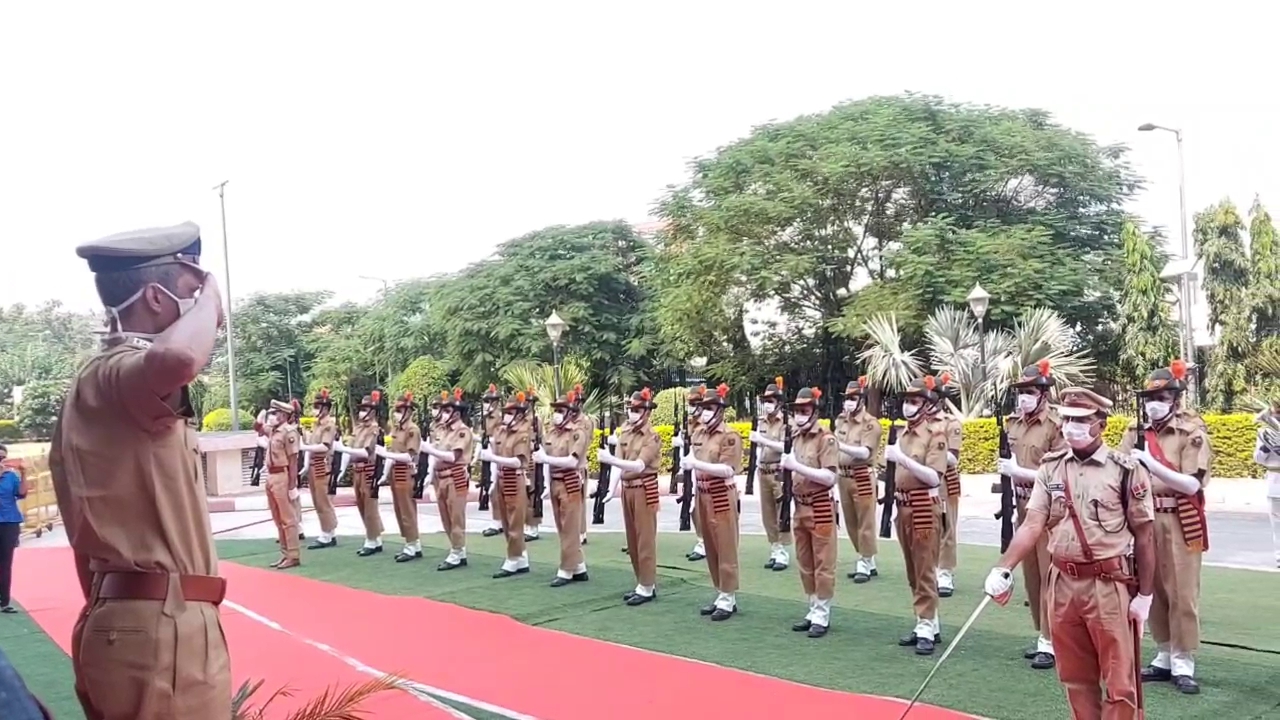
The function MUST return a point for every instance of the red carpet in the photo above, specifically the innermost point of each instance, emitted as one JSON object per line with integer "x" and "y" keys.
{"x": 454, "y": 649}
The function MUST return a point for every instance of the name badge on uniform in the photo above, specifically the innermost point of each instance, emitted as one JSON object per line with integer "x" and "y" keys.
{"x": 1057, "y": 489}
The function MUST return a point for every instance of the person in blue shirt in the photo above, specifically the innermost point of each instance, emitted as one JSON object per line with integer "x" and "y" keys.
{"x": 12, "y": 489}
{"x": 16, "y": 700}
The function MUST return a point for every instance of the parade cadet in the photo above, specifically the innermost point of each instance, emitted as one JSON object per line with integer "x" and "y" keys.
{"x": 364, "y": 439}
{"x": 814, "y": 458}
{"x": 400, "y": 464}
{"x": 564, "y": 454}
{"x": 1093, "y": 503}
{"x": 715, "y": 460}
{"x": 491, "y": 416}
{"x": 769, "y": 441}
{"x": 634, "y": 473}
{"x": 1266, "y": 452}
{"x": 1178, "y": 457}
{"x": 1034, "y": 430}
{"x": 858, "y": 434}
{"x": 949, "y": 490}
{"x": 921, "y": 458}
{"x": 588, "y": 425}
{"x": 448, "y": 447}
{"x": 509, "y": 455}
{"x": 693, "y": 397}
{"x": 130, "y": 494}
{"x": 318, "y": 447}
{"x": 282, "y": 481}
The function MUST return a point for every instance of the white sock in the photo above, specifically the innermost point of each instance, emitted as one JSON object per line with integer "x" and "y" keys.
{"x": 374, "y": 543}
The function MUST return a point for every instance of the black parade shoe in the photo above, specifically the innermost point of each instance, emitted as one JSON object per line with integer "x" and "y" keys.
{"x": 914, "y": 640}
{"x": 635, "y": 599}
{"x": 706, "y": 610}
{"x": 779, "y": 566}
{"x": 1030, "y": 653}
{"x": 1043, "y": 661}
{"x": 531, "y": 538}
{"x": 924, "y": 646}
{"x": 404, "y": 557}
{"x": 718, "y": 614}
{"x": 321, "y": 544}
{"x": 1151, "y": 673}
{"x": 769, "y": 565}
{"x": 561, "y": 582}
{"x": 367, "y": 551}
{"x": 451, "y": 566}
{"x": 946, "y": 592}
{"x": 490, "y": 532}
{"x": 817, "y": 631}
{"x": 802, "y": 626}
{"x": 510, "y": 573}
{"x": 1186, "y": 685}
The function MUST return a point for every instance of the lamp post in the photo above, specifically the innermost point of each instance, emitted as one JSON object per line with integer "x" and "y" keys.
{"x": 555, "y": 329}
{"x": 698, "y": 364}
{"x": 979, "y": 301}
{"x": 1184, "y": 279}
{"x": 231, "y": 336}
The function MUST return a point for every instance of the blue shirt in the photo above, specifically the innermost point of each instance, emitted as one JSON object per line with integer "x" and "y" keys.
{"x": 9, "y": 488}
{"x": 15, "y": 698}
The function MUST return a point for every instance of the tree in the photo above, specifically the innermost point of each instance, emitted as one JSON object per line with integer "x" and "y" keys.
{"x": 1264, "y": 276}
{"x": 1219, "y": 242}
{"x": 814, "y": 216}
{"x": 425, "y": 377}
{"x": 1146, "y": 327}
{"x": 47, "y": 344}
{"x": 40, "y": 407}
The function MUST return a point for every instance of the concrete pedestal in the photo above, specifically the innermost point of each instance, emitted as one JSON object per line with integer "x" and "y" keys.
{"x": 224, "y": 460}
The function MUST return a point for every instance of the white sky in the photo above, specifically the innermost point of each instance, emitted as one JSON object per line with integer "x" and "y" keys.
{"x": 403, "y": 138}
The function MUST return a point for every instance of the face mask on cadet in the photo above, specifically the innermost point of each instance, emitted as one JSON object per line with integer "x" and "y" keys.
{"x": 801, "y": 420}
{"x": 273, "y": 419}
{"x": 557, "y": 418}
{"x": 633, "y": 416}
{"x": 1077, "y": 434}
{"x": 401, "y": 416}
{"x": 708, "y": 415}
{"x": 769, "y": 408}
{"x": 1158, "y": 411}
{"x": 910, "y": 410}
{"x": 850, "y": 405}
{"x": 1027, "y": 402}
{"x": 366, "y": 414}
{"x": 508, "y": 418}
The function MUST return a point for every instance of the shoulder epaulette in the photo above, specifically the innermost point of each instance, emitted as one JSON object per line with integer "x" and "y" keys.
{"x": 1055, "y": 455}
{"x": 1124, "y": 461}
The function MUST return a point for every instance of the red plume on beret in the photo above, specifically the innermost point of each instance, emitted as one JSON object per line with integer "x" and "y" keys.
{"x": 1043, "y": 365}
{"x": 376, "y": 395}
{"x": 945, "y": 379}
{"x": 493, "y": 388}
{"x": 1178, "y": 368}
{"x": 722, "y": 390}
{"x": 930, "y": 383}
{"x": 571, "y": 396}
{"x": 702, "y": 389}
{"x": 324, "y": 393}
{"x": 778, "y": 381}
{"x": 577, "y": 389}
{"x": 520, "y": 398}
{"x": 457, "y": 393}
{"x": 444, "y": 396}
{"x": 862, "y": 381}
{"x": 408, "y": 396}
{"x": 646, "y": 394}
{"x": 817, "y": 393}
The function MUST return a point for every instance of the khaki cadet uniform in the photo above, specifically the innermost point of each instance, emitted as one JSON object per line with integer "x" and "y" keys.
{"x": 919, "y": 517}
{"x": 282, "y": 479}
{"x": 320, "y": 450}
{"x": 814, "y": 519}
{"x": 406, "y": 439}
{"x": 950, "y": 492}
{"x": 1090, "y": 576}
{"x": 514, "y": 440}
{"x": 857, "y": 485}
{"x": 568, "y": 439}
{"x": 640, "y": 497}
{"x": 492, "y": 421}
{"x": 717, "y": 504}
{"x": 1179, "y": 442}
{"x": 772, "y": 427}
{"x": 1031, "y": 437}
{"x": 364, "y": 439}
{"x": 450, "y": 477}
{"x": 588, "y": 425}
{"x": 693, "y": 397}
{"x": 126, "y": 472}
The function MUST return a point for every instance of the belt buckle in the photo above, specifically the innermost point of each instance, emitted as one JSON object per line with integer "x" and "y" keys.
{"x": 1071, "y": 571}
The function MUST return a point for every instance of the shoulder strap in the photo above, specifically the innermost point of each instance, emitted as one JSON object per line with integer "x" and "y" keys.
{"x": 1075, "y": 518}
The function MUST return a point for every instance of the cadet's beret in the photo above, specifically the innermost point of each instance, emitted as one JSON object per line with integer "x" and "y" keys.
{"x": 143, "y": 248}
{"x": 284, "y": 407}
{"x": 1082, "y": 402}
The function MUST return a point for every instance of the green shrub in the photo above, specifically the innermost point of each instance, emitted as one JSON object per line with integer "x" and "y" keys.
{"x": 220, "y": 421}
{"x": 9, "y": 431}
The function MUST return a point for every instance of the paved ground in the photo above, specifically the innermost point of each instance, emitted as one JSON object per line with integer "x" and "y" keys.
{"x": 1240, "y": 533}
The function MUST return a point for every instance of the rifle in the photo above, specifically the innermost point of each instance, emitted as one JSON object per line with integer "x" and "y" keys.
{"x": 679, "y": 416}
{"x": 377, "y": 460}
{"x": 890, "y": 469}
{"x": 784, "y": 504}
{"x": 424, "y": 460}
{"x": 753, "y": 460}
{"x": 486, "y": 481}
{"x": 539, "y": 470}
{"x": 686, "y": 492}
{"x": 602, "y": 485}
{"x": 335, "y": 466}
{"x": 1005, "y": 514}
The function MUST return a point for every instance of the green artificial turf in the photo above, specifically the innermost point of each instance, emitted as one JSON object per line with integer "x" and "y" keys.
{"x": 986, "y": 675}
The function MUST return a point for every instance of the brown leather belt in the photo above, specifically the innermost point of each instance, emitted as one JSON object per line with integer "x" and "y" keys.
{"x": 155, "y": 586}
{"x": 769, "y": 468}
{"x": 811, "y": 498}
{"x": 277, "y": 470}
{"x": 639, "y": 482}
{"x": 1111, "y": 567}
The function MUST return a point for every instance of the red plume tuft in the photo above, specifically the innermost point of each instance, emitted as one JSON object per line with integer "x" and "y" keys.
{"x": 1178, "y": 368}
{"x": 646, "y": 394}
{"x": 444, "y": 396}
{"x": 722, "y": 390}
{"x": 408, "y": 396}
{"x": 376, "y": 395}
{"x": 571, "y": 397}
{"x": 702, "y": 389}
{"x": 577, "y": 390}
{"x": 778, "y": 381}
{"x": 457, "y": 393}
{"x": 817, "y": 393}
{"x": 862, "y": 381}
{"x": 520, "y": 398}
{"x": 945, "y": 380}
{"x": 324, "y": 393}
{"x": 1043, "y": 366}
{"x": 930, "y": 383}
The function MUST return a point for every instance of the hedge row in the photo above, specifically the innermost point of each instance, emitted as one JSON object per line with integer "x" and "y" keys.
{"x": 1230, "y": 436}
{"x": 9, "y": 431}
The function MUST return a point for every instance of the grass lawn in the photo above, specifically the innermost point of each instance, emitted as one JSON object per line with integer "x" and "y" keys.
{"x": 986, "y": 675}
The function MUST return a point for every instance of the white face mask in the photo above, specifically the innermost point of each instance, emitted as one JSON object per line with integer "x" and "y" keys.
{"x": 365, "y": 414}
{"x": 557, "y": 418}
{"x": 1027, "y": 403}
{"x": 1077, "y": 434}
{"x": 801, "y": 420}
{"x": 184, "y": 306}
{"x": 509, "y": 418}
{"x": 1158, "y": 411}
{"x": 910, "y": 410}
{"x": 693, "y": 410}
{"x": 708, "y": 416}
{"x": 633, "y": 416}
{"x": 769, "y": 408}
{"x": 850, "y": 406}
{"x": 401, "y": 416}
{"x": 273, "y": 419}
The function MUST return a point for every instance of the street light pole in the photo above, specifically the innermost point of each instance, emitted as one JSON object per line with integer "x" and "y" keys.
{"x": 979, "y": 300}
{"x": 386, "y": 288}
{"x": 555, "y": 329}
{"x": 1184, "y": 280}
{"x": 231, "y": 337}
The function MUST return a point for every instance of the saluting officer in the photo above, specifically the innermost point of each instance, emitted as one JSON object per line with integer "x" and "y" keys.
{"x": 129, "y": 490}
{"x": 1178, "y": 457}
{"x": 1094, "y": 504}
{"x": 634, "y": 473}
{"x": 768, "y": 439}
{"x": 858, "y": 434}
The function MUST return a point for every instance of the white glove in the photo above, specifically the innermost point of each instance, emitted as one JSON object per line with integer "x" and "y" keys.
{"x": 893, "y": 453}
{"x": 1140, "y": 608}
{"x": 493, "y": 473}
{"x": 337, "y": 445}
{"x": 755, "y": 436}
{"x": 1007, "y": 466}
{"x": 293, "y": 495}
{"x": 540, "y": 456}
{"x": 604, "y": 456}
{"x": 789, "y": 462}
{"x": 686, "y": 462}
{"x": 487, "y": 456}
{"x": 1143, "y": 457}
{"x": 430, "y": 493}
{"x": 951, "y": 460}
{"x": 731, "y": 482}
{"x": 858, "y": 452}
{"x": 677, "y": 442}
{"x": 262, "y": 417}
{"x": 613, "y": 440}
{"x": 999, "y": 585}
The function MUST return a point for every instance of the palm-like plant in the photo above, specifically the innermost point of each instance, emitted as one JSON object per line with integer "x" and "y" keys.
{"x": 335, "y": 703}
{"x": 889, "y": 365}
{"x": 542, "y": 377}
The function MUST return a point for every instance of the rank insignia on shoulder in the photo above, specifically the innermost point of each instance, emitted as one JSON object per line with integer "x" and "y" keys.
{"x": 1055, "y": 455}
{"x": 1197, "y": 440}
{"x": 1124, "y": 461}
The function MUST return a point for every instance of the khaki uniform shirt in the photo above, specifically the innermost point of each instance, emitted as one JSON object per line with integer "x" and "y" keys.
{"x": 514, "y": 442}
{"x": 323, "y": 432}
{"x": 1185, "y": 442}
{"x": 456, "y": 437}
{"x": 926, "y": 442}
{"x": 816, "y": 448}
{"x": 774, "y": 428}
{"x": 126, "y": 472}
{"x": 407, "y": 439}
{"x": 365, "y": 438}
{"x": 1094, "y": 483}
{"x": 719, "y": 445}
{"x": 640, "y": 443}
{"x": 861, "y": 430}
{"x": 281, "y": 448}
{"x": 1031, "y": 438}
{"x": 569, "y": 440}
